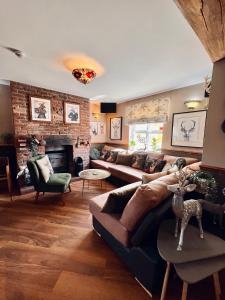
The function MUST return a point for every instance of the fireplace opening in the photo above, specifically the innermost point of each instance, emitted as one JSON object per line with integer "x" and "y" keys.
{"x": 60, "y": 157}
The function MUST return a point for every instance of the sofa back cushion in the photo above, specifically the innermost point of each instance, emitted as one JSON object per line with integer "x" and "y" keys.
{"x": 146, "y": 178}
{"x": 138, "y": 160}
{"x": 118, "y": 198}
{"x": 124, "y": 159}
{"x": 146, "y": 197}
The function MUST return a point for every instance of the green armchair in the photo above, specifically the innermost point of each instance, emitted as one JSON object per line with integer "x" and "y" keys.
{"x": 57, "y": 183}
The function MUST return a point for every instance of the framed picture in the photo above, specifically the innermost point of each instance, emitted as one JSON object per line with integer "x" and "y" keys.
{"x": 188, "y": 129}
{"x": 116, "y": 128}
{"x": 93, "y": 128}
{"x": 101, "y": 128}
{"x": 71, "y": 113}
{"x": 40, "y": 109}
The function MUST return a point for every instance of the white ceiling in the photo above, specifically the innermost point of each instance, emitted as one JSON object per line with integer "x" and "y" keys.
{"x": 144, "y": 46}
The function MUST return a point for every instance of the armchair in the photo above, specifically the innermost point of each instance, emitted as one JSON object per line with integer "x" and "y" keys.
{"x": 57, "y": 183}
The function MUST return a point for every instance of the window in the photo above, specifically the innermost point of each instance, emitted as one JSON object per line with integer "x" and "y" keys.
{"x": 146, "y": 136}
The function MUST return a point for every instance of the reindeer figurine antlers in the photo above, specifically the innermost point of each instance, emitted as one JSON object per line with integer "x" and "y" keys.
{"x": 184, "y": 210}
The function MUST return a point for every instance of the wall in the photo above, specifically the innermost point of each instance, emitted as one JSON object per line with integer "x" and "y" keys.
{"x": 177, "y": 98}
{"x": 214, "y": 145}
{"x": 5, "y": 110}
{"x": 95, "y": 108}
{"x": 24, "y": 127}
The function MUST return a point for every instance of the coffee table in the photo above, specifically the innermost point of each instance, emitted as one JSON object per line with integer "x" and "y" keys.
{"x": 93, "y": 175}
{"x": 198, "y": 259}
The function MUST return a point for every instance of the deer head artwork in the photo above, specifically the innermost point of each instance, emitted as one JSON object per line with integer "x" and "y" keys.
{"x": 184, "y": 210}
{"x": 187, "y": 127}
{"x": 116, "y": 127}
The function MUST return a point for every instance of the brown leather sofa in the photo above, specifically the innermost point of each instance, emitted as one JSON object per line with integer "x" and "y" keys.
{"x": 129, "y": 174}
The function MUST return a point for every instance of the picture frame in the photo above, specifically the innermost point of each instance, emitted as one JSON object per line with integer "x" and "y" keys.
{"x": 71, "y": 113}
{"x": 116, "y": 128}
{"x": 40, "y": 109}
{"x": 188, "y": 129}
{"x": 94, "y": 129}
{"x": 101, "y": 128}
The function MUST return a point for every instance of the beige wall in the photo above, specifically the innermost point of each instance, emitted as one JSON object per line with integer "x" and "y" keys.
{"x": 177, "y": 98}
{"x": 95, "y": 108}
{"x": 214, "y": 145}
{"x": 6, "y": 125}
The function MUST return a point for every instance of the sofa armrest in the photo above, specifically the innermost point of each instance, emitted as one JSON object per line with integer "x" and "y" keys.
{"x": 148, "y": 228}
{"x": 118, "y": 198}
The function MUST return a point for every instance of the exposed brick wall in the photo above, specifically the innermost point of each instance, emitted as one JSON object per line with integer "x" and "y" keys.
{"x": 24, "y": 127}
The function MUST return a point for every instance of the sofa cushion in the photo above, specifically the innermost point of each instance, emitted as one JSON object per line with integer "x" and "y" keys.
{"x": 124, "y": 159}
{"x": 118, "y": 198}
{"x": 113, "y": 156}
{"x": 138, "y": 160}
{"x": 153, "y": 165}
{"x": 111, "y": 222}
{"x": 146, "y": 178}
{"x": 94, "y": 153}
{"x": 126, "y": 173}
{"x": 100, "y": 164}
{"x": 146, "y": 197}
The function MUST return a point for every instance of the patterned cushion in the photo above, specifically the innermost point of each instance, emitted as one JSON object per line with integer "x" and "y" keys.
{"x": 113, "y": 156}
{"x": 154, "y": 165}
{"x": 138, "y": 161}
{"x": 105, "y": 155}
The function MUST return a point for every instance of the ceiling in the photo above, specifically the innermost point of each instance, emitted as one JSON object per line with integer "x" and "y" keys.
{"x": 142, "y": 47}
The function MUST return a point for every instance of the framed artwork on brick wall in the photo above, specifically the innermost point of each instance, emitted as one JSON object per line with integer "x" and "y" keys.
{"x": 116, "y": 128}
{"x": 71, "y": 113}
{"x": 40, "y": 109}
{"x": 188, "y": 129}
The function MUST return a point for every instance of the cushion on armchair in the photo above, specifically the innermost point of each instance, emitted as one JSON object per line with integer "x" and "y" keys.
{"x": 45, "y": 167}
{"x": 118, "y": 199}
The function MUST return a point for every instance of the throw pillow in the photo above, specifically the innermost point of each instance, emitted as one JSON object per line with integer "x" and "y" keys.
{"x": 105, "y": 155}
{"x": 124, "y": 159}
{"x": 118, "y": 199}
{"x": 45, "y": 167}
{"x": 146, "y": 197}
{"x": 138, "y": 161}
{"x": 154, "y": 165}
{"x": 113, "y": 156}
{"x": 94, "y": 153}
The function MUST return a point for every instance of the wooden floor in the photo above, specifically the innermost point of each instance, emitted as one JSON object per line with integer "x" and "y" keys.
{"x": 50, "y": 252}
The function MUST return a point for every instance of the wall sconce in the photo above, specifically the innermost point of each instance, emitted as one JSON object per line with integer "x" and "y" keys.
{"x": 96, "y": 115}
{"x": 95, "y": 107}
{"x": 192, "y": 104}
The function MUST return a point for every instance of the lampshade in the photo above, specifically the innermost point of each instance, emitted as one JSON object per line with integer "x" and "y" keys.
{"x": 192, "y": 104}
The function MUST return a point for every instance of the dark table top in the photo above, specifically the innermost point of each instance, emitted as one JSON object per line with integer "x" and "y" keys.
{"x": 194, "y": 248}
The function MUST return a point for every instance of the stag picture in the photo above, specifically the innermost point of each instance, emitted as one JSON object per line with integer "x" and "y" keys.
{"x": 188, "y": 129}
{"x": 116, "y": 128}
{"x": 40, "y": 109}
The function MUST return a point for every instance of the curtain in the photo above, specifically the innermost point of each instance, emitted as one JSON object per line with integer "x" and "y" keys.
{"x": 152, "y": 111}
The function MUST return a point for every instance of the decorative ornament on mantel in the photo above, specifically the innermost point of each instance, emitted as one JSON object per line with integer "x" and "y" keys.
{"x": 84, "y": 75}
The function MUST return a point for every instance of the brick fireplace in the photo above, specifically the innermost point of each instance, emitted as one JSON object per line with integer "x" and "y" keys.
{"x": 61, "y": 138}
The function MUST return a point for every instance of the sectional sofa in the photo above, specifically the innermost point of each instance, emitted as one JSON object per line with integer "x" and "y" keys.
{"x": 131, "y": 228}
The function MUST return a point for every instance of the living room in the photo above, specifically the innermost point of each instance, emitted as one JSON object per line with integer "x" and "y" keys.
{"x": 112, "y": 150}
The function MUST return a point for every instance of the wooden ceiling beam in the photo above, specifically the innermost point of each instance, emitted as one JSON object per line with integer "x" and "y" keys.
{"x": 207, "y": 18}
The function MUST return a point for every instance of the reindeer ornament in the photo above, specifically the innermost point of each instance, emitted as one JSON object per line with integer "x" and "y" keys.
{"x": 184, "y": 210}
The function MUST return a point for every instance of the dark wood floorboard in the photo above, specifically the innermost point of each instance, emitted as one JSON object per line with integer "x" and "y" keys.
{"x": 50, "y": 252}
